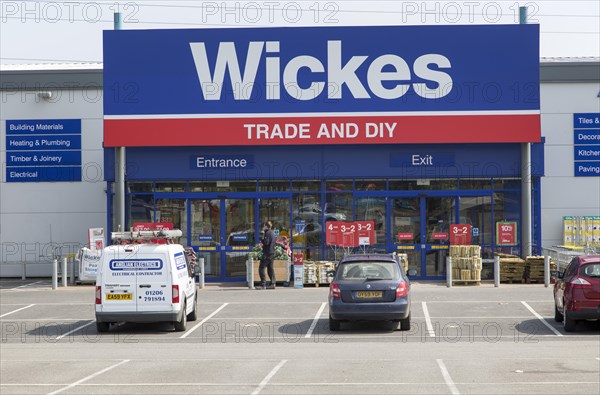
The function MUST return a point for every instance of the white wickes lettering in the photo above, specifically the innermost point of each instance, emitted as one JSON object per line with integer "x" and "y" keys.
{"x": 443, "y": 80}
{"x": 339, "y": 75}
{"x": 388, "y": 76}
{"x": 227, "y": 59}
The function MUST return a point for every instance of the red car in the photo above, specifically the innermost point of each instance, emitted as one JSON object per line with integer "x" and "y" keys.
{"x": 577, "y": 292}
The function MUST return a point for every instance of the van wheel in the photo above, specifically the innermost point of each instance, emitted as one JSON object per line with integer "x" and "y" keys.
{"x": 182, "y": 323}
{"x": 102, "y": 327}
{"x": 193, "y": 316}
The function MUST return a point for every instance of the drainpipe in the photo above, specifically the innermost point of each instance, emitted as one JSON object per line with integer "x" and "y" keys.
{"x": 119, "y": 202}
{"x": 526, "y": 182}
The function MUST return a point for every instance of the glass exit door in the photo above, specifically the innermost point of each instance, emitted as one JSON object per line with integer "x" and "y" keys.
{"x": 222, "y": 231}
{"x": 420, "y": 229}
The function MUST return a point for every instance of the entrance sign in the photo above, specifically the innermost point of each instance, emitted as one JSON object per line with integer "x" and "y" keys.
{"x": 321, "y": 85}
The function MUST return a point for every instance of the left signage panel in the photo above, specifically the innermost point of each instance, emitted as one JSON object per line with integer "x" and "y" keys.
{"x": 47, "y": 150}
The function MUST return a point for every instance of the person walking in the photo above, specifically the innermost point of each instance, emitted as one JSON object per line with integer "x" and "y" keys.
{"x": 268, "y": 249}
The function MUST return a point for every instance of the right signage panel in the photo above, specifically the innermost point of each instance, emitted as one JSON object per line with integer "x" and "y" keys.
{"x": 586, "y": 142}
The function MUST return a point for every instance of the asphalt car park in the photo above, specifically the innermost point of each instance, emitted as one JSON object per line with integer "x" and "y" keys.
{"x": 473, "y": 339}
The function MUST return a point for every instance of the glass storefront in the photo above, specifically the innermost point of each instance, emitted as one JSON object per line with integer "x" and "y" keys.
{"x": 410, "y": 216}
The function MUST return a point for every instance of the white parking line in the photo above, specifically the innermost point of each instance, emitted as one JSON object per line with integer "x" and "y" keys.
{"x": 186, "y": 334}
{"x": 447, "y": 377}
{"x": 315, "y": 320}
{"x": 91, "y": 376}
{"x": 539, "y": 317}
{"x": 269, "y": 377}
{"x": 75, "y": 330}
{"x": 430, "y": 330}
{"x": 26, "y": 285}
{"x": 14, "y": 311}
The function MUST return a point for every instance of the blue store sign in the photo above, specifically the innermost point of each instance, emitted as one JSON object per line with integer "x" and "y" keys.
{"x": 586, "y": 137}
{"x": 322, "y": 85}
{"x": 43, "y": 150}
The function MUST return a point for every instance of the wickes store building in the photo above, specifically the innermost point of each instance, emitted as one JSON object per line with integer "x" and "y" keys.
{"x": 413, "y": 128}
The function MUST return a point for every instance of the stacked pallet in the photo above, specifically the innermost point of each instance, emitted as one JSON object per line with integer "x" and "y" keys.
{"x": 326, "y": 271}
{"x": 466, "y": 263}
{"x": 310, "y": 273}
{"x": 318, "y": 272}
{"x": 534, "y": 268}
{"x": 512, "y": 268}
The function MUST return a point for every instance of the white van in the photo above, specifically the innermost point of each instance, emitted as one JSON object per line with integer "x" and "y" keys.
{"x": 145, "y": 283}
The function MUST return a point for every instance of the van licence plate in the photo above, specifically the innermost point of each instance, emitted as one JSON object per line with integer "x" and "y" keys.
{"x": 119, "y": 296}
{"x": 369, "y": 294}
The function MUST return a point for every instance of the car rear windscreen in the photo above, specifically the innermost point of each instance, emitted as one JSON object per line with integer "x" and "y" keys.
{"x": 372, "y": 270}
{"x": 591, "y": 270}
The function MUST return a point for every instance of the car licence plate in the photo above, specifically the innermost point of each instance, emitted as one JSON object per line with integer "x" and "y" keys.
{"x": 119, "y": 297}
{"x": 369, "y": 294}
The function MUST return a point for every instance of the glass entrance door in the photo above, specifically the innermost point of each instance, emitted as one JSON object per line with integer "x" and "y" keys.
{"x": 206, "y": 234}
{"x": 222, "y": 231}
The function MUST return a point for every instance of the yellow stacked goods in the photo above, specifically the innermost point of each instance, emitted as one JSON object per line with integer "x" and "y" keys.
{"x": 466, "y": 262}
{"x": 512, "y": 268}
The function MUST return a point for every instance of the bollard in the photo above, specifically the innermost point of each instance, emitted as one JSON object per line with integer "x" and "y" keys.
{"x": 24, "y": 274}
{"x": 54, "y": 273}
{"x": 72, "y": 258}
{"x": 449, "y": 271}
{"x": 64, "y": 272}
{"x": 546, "y": 271}
{"x": 201, "y": 276}
{"x": 496, "y": 271}
{"x": 250, "y": 273}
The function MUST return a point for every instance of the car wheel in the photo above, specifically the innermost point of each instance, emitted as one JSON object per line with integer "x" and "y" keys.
{"x": 405, "y": 323}
{"x": 334, "y": 325}
{"x": 193, "y": 316}
{"x": 558, "y": 317}
{"x": 568, "y": 323}
{"x": 182, "y": 323}
{"x": 102, "y": 327}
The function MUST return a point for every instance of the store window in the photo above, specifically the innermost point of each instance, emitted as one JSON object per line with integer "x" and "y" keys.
{"x": 373, "y": 209}
{"x": 173, "y": 211}
{"x": 307, "y": 221}
{"x": 274, "y": 186}
{"x": 370, "y": 185}
{"x": 507, "y": 207}
{"x": 223, "y": 186}
{"x": 475, "y": 184}
{"x": 406, "y": 221}
{"x": 170, "y": 186}
{"x": 338, "y": 207}
{"x": 276, "y": 210}
{"x": 140, "y": 209}
{"x": 477, "y": 211}
{"x": 507, "y": 183}
{"x": 423, "y": 185}
{"x": 339, "y": 185}
{"x": 312, "y": 185}
{"x": 140, "y": 187}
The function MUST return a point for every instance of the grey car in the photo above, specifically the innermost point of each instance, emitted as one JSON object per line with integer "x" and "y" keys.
{"x": 369, "y": 287}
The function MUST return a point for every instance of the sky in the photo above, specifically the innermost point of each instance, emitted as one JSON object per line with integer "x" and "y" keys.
{"x": 71, "y": 31}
